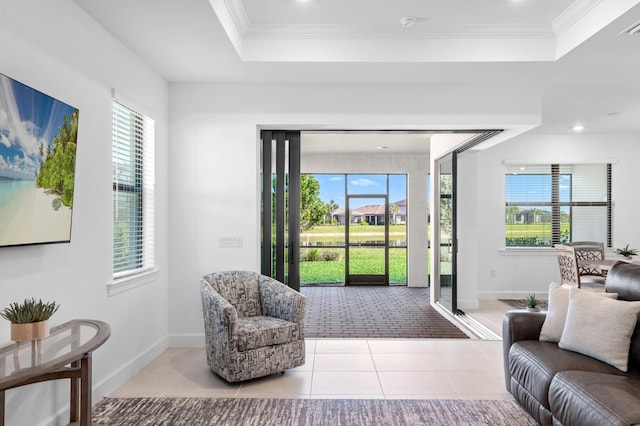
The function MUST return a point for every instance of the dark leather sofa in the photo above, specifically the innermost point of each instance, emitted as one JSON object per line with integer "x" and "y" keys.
{"x": 561, "y": 387}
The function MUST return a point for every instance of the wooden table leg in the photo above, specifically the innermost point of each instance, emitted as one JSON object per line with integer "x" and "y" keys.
{"x": 74, "y": 405}
{"x": 1, "y": 408}
{"x": 85, "y": 390}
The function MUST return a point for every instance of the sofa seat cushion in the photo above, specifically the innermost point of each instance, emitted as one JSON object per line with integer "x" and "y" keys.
{"x": 534, "y": 363}
{"x": 586, "y": 398}
{"x": 258, "y": 331}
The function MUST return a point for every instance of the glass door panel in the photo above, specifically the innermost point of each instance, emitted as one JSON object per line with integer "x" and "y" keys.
{"x": 367, "y": 240}
{"x": 445, "y": 291}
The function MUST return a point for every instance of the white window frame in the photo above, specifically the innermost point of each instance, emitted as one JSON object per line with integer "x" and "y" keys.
{"x": 557, "y": 204}
{"x": 133, "y": 161}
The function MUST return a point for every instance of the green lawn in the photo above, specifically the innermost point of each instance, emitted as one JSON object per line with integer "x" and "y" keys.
{"x": 531, "y": 234}
{"x": 362, "y": 261}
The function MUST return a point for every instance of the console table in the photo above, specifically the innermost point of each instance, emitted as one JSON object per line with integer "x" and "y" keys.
{"x": 65, "y": 354}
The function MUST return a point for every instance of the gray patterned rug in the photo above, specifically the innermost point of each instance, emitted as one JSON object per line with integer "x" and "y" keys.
{"x": 306, "y": 412}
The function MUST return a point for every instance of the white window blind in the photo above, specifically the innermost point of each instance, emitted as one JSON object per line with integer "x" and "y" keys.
{"x": 547, "y": 204}
{"x": 133, "y": 192}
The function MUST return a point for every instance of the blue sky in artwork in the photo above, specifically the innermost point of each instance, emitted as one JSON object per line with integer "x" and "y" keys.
{"x": 27, "y": 119}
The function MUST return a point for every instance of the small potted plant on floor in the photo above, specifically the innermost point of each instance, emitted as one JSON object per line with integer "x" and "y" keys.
{"x": 532, "y": 303}
{"x": 29, "y": 319}
{"x": 626, "y": 252}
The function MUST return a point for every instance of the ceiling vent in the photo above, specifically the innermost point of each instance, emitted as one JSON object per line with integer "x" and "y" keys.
{"x": 633, "y": 29}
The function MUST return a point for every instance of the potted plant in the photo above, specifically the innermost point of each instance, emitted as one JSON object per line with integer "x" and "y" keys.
{"x": 532, "y": 303}
{"x": 29, "y": 319}
{"x": 626, "y": 252}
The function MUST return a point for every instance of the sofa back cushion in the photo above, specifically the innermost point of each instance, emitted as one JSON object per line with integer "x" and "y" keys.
{"x": 240, "y": 288}
{"x": 624, "y": 278}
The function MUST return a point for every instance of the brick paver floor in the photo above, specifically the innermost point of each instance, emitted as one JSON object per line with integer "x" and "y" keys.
{"x": 374, "y": 312}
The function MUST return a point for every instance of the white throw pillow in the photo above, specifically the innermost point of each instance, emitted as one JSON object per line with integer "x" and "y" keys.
{"x": 600, "y": 327}
{"x": 557, "y": 305}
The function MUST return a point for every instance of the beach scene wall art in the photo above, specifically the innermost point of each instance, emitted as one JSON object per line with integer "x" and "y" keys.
{"x": 38, "y": 139}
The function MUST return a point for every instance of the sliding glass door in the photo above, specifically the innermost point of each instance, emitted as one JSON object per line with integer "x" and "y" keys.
{"x": 445, "y": 234}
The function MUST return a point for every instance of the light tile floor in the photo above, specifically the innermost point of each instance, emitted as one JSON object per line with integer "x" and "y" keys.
{"x": 341, "y": 368}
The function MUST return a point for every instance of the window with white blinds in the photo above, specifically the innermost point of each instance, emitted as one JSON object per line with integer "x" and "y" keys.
{"x": 547, "y": 204}
{"x": 133, "y": 192}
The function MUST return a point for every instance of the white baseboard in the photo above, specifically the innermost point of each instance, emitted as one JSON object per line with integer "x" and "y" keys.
{"x": 186, "y": 340}
{"x": 495, "y": 295}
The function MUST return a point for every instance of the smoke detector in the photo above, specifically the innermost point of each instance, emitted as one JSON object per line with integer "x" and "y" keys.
{"x": 408, "y": 21}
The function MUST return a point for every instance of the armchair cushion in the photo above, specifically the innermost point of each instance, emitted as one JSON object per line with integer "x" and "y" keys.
{"x": 255, "y": 332}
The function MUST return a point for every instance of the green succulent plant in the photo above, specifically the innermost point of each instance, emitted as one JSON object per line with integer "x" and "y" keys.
{"x": 532, "y": 301}
{"x": 626, "y": 251}
{"x": 31, "y": 310}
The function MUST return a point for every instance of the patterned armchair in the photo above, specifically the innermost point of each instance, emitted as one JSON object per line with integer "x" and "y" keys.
{"x": 254, "y": 325}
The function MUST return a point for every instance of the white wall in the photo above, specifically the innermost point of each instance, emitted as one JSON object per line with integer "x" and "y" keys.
{"x": 515, "y": 273}
{"x": 215, "y": 152}
{"x": 56, "y": 48}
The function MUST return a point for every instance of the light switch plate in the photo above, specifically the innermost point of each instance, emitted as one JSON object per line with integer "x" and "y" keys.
{"x": 230, "y": 242}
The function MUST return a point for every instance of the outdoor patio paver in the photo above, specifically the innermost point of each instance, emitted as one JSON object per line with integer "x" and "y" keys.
{"x": 374, "y": 312}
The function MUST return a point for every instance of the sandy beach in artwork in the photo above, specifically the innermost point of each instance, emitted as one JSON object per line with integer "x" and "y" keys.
{"x": 30, "y": 218}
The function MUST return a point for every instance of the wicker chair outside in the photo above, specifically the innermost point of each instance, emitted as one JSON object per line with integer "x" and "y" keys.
{"x": 254, "y": 325}
{"x": 588, "y": 250}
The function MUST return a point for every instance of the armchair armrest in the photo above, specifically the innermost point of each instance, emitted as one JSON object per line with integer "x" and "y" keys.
{"x": 281, "y": 301}
{"x": 518, "y": 325}
{"x": 220, "y": 317}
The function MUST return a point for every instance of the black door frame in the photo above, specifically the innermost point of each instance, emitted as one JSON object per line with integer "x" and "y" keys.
{"x": 281, "y": 258}
{"x": 367, "y": 279}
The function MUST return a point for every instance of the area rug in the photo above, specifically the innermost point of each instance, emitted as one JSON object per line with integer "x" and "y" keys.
{"x": 306, "y": 412}
{"x": 374, "y": 312}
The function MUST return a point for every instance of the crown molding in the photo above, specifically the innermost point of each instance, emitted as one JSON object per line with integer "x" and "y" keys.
{"x": 573, "y": 14}
{"x": 393, "y": 32}
{"x": 239, "y": 15}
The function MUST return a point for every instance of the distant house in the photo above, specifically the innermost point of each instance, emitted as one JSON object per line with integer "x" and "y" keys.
{"x": 339, "y": 216}
{"x": 535, "y": 216}
{"x": 372, "y": 214}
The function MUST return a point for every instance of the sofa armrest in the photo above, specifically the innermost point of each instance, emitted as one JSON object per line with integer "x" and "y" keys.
{"x": 518, "y": 325}
{"x": 280, "y": 301}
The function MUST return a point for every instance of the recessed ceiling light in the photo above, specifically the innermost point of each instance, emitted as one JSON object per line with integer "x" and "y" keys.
{"x": 382, "y": 147}
{"x": 578, "y": 127}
